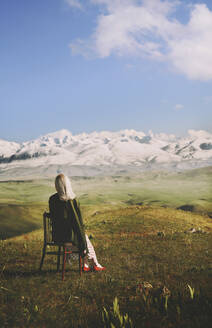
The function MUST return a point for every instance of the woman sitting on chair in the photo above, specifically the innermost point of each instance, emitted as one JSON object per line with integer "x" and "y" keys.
{"x": 67, "y": 223}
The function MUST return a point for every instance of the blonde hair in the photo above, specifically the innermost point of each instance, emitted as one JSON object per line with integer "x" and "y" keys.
{"x": 63, "y": 187}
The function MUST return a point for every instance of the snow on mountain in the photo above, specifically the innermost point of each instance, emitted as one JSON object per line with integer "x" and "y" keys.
{"x": 122, "y": 148}
{"x": 8, "y": 148}
{"x": 198, "y": 145}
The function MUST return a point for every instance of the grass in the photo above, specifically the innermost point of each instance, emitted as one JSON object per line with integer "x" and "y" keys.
{"x": 137, "y": 244}
{"x": 189, "y": 190}
{"x": 19, "y": 219}
{"x": 141, "y": 237}
{"x": 172, "y": 189}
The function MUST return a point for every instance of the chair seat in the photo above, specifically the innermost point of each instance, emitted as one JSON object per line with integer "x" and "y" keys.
{"x": 54, "y": 243}
{"x": 68, "y": 245}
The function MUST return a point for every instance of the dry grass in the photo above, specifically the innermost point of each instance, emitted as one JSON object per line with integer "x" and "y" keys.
{"x": 137, "y": 244}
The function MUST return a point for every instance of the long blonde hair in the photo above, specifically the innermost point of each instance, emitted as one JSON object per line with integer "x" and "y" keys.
{"x": 64, "y": 188}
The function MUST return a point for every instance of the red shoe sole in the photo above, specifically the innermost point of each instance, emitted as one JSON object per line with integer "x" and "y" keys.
{"x": 86, "y": 269}
{"x": 99, "y": 269}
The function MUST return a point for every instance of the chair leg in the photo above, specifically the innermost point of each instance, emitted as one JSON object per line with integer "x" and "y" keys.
{"x": 58, "y": 258}
{"x": 42, "y": 259}
{"x": 64, "y": 262}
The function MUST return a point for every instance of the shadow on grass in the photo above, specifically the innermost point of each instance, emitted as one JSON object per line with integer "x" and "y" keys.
{"x": 20, "y": 273}
{"x": 187, "y": 208}
{"x": 34, "y": 273}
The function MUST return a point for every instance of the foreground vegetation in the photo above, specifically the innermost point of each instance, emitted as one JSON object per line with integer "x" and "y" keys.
{"x": 151, "y": 254}
{"x": 152, "y": 231}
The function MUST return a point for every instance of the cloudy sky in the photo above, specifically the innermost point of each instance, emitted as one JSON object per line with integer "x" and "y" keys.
{"x": 92, "y": 65}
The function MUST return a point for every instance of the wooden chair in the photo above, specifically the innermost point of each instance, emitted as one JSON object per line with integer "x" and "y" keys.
{"x": 63, "y": 248}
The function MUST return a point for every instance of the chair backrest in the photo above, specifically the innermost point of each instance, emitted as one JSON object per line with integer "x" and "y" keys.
{"x": 47, "y": 228}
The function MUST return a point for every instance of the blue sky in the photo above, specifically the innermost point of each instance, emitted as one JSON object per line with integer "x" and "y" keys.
{"x": 97, "y": 65}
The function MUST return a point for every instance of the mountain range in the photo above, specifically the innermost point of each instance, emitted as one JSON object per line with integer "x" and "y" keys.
{"x": 98, "y": 152}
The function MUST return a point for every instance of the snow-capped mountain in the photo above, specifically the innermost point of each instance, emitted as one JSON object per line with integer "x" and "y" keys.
{"x": 56, "y": 151}
{"x": 8, "y": 148}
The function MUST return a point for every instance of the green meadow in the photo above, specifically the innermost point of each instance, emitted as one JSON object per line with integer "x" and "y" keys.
{"x": 152, "y": 231}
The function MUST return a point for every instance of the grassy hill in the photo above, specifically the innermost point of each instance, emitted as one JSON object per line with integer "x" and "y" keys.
{"x": 26, "y": 200}
{"x": 141, "y": 246}
{"x": 152, "y": 231}
{"x": 18, "y": 219}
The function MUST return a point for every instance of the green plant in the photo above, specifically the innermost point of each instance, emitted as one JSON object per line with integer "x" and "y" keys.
{"x": 191, "y": 291}
{"x": 30, "y": 310}
{"x": 166, "y": 294}
{"x": 114, "y": 319}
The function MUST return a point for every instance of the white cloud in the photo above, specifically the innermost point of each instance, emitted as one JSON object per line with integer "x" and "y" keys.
{"x": 179, "y": 106}
{"x": 74, "y": 3}
{"x": 147, "y": 28}
{"x": 191, "y": 51}
{"x": 130, "y": 29}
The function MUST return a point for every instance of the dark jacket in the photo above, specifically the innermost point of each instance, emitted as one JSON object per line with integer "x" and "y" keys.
{"x": 67, "y": 223}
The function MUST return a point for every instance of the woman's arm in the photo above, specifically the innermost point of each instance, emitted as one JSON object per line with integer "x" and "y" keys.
{"x": 51, "y": 211}
{"x": 79, "y": 213}
{"x": 76, "y": 217}
{"x": 52, "y": 208}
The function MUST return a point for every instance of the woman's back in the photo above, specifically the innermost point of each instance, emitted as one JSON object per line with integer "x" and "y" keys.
{"x": 67, "y": 225}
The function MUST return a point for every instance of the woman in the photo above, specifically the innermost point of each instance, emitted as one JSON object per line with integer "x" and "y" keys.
{"x": 67, "y": 223}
